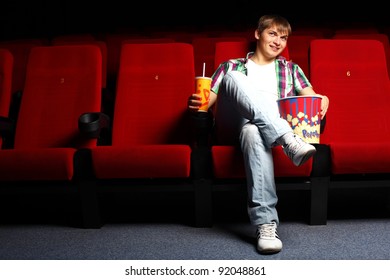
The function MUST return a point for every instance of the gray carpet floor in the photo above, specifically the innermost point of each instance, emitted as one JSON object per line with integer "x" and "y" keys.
{"x": 159, "y": 228}
{"x": 338, "y": 240}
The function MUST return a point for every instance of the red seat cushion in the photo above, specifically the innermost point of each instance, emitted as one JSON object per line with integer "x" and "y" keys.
{"x": 228, "y": 163}
{"x": 142, "y": 161}
{"x": 37, "y": 164}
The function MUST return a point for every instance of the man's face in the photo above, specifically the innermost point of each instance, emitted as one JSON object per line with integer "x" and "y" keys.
{"x": 271, "y": 42}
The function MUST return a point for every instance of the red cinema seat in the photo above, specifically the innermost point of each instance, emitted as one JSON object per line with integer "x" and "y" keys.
{"x": 62, "y": 84}
{"x": 228, "y": 165}
{"x": 151, "y": 133}
{"x": 353, "y": 74}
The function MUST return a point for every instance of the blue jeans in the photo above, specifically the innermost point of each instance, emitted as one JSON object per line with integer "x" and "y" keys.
{"x": 245, "y": 117}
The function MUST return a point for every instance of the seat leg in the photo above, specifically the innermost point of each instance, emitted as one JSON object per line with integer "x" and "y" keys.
{"x": 319, "y": 201}
{"x": 89, "y": 205}
{"x": 203, "y": 203}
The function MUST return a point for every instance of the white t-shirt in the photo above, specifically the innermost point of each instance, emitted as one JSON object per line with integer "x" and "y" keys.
{"x": 264, "y": 79}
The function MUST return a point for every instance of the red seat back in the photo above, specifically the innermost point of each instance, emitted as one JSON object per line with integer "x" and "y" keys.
{"x": 298, "y": 46}
{"x": 383, "y": 38}
{"x": 204, "y": 52}
{"x": 62, "y": 82}
{"x": 20, "y": 50}
{"x": 114, "y": 44}
{"x": 154, "y": 83}
{"x": 102, "y": 45}
{"x": 228, "y": 50}
{"x": 353, "y": 74}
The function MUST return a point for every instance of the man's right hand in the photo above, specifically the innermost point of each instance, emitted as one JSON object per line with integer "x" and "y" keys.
{"x": 194, "y": 102}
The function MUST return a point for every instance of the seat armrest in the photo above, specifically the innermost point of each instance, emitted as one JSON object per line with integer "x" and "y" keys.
{"x": 7, "y": 126}
{"x": 7, "y": 131}
{"x": 202, "y": 124}
{"x": 91, "y": 124}
{"x": 321, "y": 161}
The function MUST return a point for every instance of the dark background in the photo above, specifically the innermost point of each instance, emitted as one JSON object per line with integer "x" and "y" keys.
{"x": 47, "y": 18}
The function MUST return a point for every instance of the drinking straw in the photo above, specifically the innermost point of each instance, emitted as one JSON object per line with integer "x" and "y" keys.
{"x": 204, "y": 68}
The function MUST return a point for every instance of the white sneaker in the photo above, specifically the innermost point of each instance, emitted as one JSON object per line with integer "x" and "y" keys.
{"x": 298, "y": 150}
{"x": 268, "y": 241}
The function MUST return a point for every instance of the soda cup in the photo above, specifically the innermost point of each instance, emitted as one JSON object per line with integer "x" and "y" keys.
{"x": 202, "y": 87}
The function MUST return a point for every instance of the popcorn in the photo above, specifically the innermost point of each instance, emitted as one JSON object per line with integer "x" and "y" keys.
{"x": 302, "y": 113}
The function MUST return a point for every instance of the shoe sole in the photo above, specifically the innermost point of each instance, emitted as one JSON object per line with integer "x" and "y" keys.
{"x": 306, "y": 157}
{"x": 269, "y": 251}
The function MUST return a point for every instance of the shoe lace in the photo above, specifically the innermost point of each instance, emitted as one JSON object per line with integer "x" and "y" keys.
{"x": 267, "y": 231}
{"x": 293, "y": 146}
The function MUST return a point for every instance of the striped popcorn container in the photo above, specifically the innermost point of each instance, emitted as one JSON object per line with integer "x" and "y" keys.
{"x": 303, "y": 115}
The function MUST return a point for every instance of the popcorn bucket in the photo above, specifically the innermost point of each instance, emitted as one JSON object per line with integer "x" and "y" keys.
{"x": 303, "y": 115}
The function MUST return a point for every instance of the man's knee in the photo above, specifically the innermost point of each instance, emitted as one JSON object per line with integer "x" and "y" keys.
{"x": 250, "y": 134}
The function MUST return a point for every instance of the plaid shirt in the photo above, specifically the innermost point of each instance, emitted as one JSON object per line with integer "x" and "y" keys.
{"x": 290, "y": 77}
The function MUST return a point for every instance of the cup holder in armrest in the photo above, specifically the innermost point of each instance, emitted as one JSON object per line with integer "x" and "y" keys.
{"x": 91, "y": 124}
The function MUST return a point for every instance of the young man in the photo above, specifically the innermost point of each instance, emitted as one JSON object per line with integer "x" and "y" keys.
{"x": 244, "y": 92}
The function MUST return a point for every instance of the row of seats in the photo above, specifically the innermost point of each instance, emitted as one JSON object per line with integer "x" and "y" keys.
{"x": 205, "y": 48}
{"x": 59, "y": 141}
